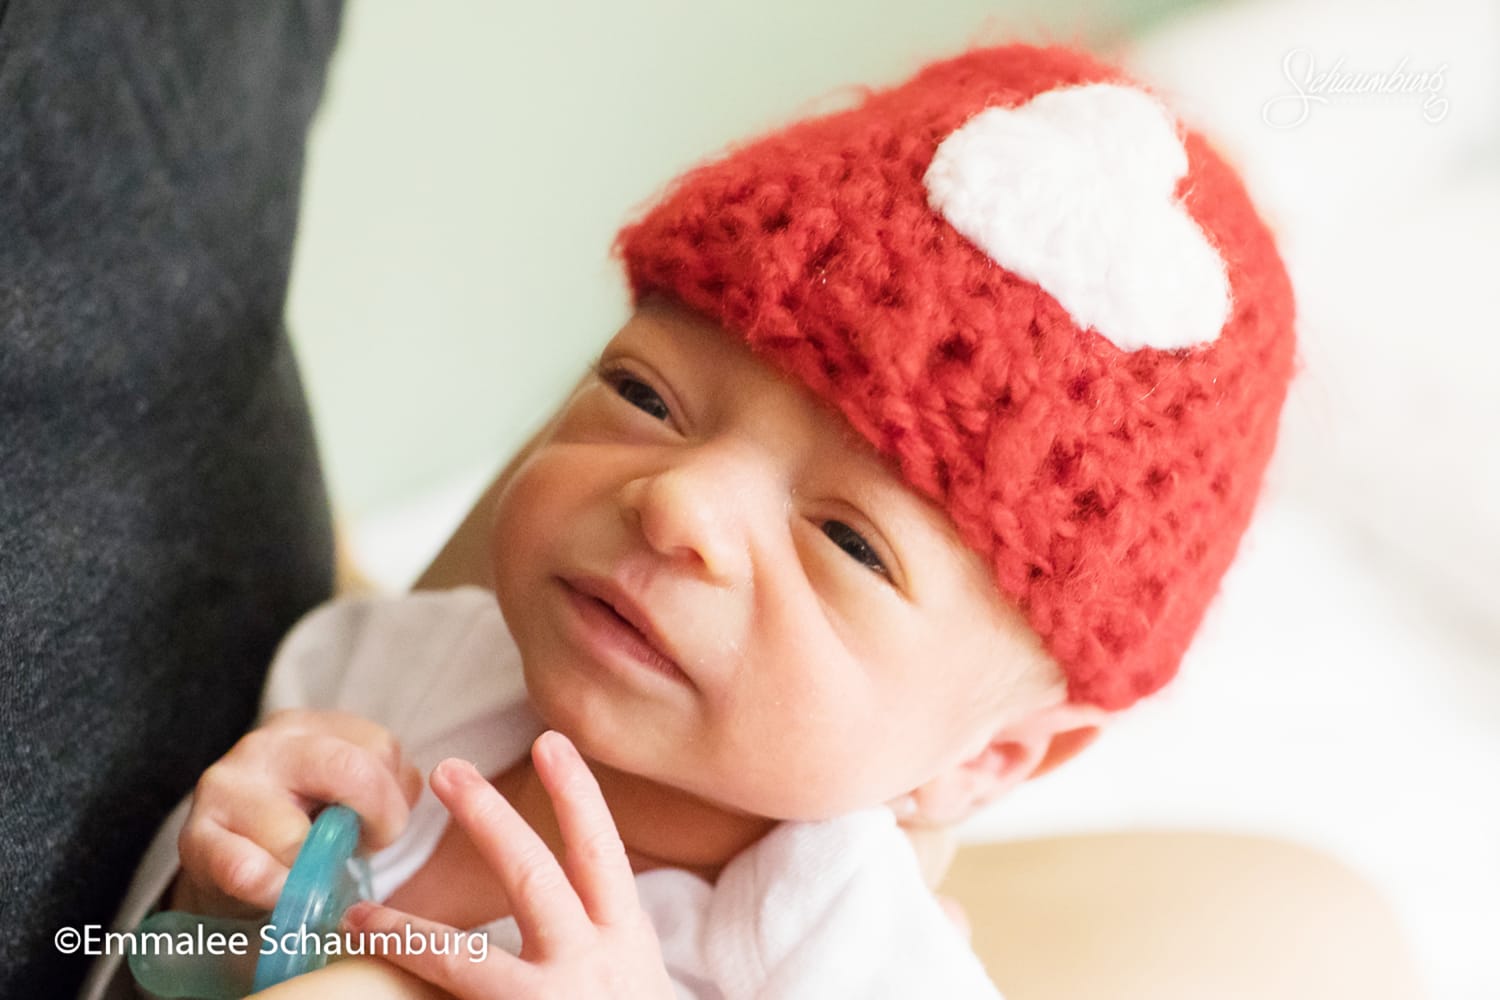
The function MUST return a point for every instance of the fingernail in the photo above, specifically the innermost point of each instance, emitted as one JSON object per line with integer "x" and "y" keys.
{"x": 460, "y": 772}
{"x": 558, "y": 745}
{"x": 356, "y": 916}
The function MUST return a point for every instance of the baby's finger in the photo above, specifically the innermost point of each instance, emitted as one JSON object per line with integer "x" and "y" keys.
{"x": 596, "y": 861}
{"x": 410, "y": 780}
{"x": 356, "y": 729}
{"x": 232, "y": 864}
{"x": 380, "y": 742}
{"x": 257, "y": 812}
{"x": 449, "y": 959}
{"x": 331, "y": 769}
{"x": 544, "y": 903}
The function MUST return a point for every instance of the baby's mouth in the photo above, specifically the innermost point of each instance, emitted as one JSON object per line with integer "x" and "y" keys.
{"x": 623, "y": 618}
{"x": 647, "y": 650}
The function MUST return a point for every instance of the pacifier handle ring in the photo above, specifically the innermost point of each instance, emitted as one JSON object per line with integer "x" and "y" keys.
{"x": 318, "y": 890}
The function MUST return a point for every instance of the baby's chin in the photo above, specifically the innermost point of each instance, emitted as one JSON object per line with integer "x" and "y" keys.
{"x": 676, "y": 772}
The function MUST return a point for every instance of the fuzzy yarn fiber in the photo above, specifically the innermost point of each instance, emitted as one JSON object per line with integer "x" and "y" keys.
{"x": 1107, "y": 489}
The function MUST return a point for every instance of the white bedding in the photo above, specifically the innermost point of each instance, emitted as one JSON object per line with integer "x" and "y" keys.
{"x": 1347, "y": 692}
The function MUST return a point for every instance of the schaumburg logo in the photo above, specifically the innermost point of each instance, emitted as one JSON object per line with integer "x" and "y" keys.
{"x": 1335, "y": 84}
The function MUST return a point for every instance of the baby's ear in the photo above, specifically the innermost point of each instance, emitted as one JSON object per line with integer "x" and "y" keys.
{"x": 1022, "y": 750}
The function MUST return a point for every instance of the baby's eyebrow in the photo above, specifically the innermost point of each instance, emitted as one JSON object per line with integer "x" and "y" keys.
{"x": 860, "y": 458}
{"x": 876, "y": 490}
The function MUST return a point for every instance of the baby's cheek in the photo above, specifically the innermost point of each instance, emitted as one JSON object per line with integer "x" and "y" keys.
{"x": 522, "y": 507}
{"x": 809, "y": 759}
{"x": 532, "y": 519}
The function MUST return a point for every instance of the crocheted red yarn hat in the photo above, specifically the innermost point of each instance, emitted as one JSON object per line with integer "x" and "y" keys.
{"x": 1049, "y": 304}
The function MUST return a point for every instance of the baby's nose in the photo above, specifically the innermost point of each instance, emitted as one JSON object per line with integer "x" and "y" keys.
{"x": 704, "y": 508}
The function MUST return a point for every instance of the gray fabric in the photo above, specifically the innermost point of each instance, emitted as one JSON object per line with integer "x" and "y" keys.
{"x": 162, "y": 514}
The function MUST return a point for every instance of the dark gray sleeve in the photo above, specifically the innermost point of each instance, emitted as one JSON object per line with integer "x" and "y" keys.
{"x": 162, "y": 514}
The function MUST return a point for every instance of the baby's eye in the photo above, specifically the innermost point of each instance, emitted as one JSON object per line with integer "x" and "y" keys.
{"x": 850, "y": 541}
{"x": 636, "y": 393}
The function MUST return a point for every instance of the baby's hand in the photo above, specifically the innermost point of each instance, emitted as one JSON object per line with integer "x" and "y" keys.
{"x": 251, "y": 809}
{"x": 583, "y": 932}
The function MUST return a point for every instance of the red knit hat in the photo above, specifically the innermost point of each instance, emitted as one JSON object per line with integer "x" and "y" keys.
{"x": 1050, "y": 305}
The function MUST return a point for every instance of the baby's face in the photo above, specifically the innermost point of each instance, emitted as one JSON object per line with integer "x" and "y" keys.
{"x": 823, "y": 640}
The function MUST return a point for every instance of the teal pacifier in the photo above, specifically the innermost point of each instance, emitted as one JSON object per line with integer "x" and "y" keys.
{"x": 209, "y": 958}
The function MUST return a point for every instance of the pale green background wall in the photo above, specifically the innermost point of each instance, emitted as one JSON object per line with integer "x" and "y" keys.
{"x": 472, "y": 161}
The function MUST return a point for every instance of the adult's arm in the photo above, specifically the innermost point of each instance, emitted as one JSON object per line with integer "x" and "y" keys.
{"x": 355, "y": 979}
{"x": 162, "y": 514}
{"x": 1178, "y": 916}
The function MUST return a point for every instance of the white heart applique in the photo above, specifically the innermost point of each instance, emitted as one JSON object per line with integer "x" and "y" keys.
{"x": 1074, "y": 191}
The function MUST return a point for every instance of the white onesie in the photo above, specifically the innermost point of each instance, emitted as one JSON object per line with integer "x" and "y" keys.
{"x": 813, "y": 910}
